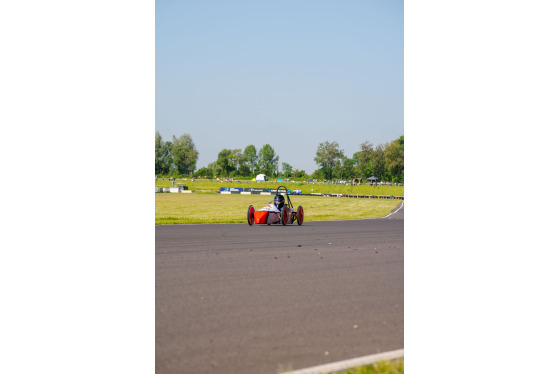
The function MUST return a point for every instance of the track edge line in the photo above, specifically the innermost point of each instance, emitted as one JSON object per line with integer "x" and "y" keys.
{"x": 351, "y": 363}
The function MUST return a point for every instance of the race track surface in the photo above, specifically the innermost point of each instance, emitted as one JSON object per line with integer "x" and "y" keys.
{"x": 232, "y": 298}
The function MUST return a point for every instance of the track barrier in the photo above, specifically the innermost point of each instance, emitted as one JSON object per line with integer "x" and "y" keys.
{"x": 183, "y": 189}
{"x": 316, "y": 194}
{"x": 263, "y": 191}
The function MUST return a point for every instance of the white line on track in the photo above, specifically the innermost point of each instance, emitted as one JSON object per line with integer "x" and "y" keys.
{"x": 390, "y": 214}
{"x": 352, "y": 363}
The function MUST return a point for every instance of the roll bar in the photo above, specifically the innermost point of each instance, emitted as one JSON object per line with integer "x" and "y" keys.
{"x": 287, "y": 195}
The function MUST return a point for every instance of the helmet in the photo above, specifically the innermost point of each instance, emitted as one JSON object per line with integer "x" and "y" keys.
{"x": 279, "y": 201}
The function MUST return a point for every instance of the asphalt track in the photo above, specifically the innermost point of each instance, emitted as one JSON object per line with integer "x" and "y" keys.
{"x": 231, "y": 298}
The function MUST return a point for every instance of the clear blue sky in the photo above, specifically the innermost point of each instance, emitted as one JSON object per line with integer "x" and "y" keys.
{"x": 288, "y": 73}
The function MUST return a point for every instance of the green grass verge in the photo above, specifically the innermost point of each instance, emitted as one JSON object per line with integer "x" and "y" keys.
{"x": 206, "y": 185}
{"x": 179, "y": 208}
{"x": 383, "y": 367}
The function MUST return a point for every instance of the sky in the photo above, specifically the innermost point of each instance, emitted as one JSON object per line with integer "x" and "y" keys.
{"x": 291, "y": 74}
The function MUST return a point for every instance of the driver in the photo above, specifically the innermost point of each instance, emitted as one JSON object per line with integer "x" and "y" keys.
{"x": 279, "y": 201}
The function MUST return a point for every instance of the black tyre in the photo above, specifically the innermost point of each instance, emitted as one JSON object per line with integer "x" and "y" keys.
{"x": 251, "y": 215}
{"x": 299, "y": 215}
{"x": 284, "y": 215}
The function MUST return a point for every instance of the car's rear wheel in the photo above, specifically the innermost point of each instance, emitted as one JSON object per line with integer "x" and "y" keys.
{"x": 251, "y": 215}
{"x": 299, "y": 215}
{"x": 284, "y": 215}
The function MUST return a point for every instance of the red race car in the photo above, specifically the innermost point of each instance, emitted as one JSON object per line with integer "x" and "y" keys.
{"x": 277, "y": 211}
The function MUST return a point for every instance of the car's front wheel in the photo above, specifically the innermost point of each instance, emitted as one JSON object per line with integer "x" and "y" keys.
{"x": 285, "y": 215}
{"x": 251, "y": 215}
{"x": 299, "y": 215}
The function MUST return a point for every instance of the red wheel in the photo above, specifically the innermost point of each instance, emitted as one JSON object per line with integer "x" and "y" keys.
{"x": 299, "y": 215}
{"x": 284, "y": 215}
{"x": 251, "y": 215}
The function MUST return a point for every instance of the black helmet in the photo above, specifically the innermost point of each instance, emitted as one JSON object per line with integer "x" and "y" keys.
{"x": 279, "y": 200}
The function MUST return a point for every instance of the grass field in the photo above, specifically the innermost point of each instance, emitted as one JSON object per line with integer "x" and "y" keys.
{"x": 177, "y": 208}
{"x": 205, "y": 185}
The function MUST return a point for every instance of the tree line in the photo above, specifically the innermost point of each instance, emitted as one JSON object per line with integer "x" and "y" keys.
{"x": 384, "y": 161}
{"x": 175, "y": 157}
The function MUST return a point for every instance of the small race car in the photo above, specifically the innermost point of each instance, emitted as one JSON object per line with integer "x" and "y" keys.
{"x": 270, "y": 214}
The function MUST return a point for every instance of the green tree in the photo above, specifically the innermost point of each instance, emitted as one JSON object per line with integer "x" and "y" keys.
{"x": 205, "y": 172}
{"x": 394, "y": 160}
{"x": 300, "y": 173}
{"x": 216, "y": 169}
{"x": 377, "y": 162}
{"x": 160, "y": 156}
{"x": 224, "y": 162}
{"x": 243, "y": 167}
{"x": 318, "y": 174}
{"x": 287, "y": 169}
{"x": 163, "y": 159}
{"x": 251, "y": 158}
{"x": 268, "y": 160}
{"x": 234, "y": 160}
{"x": 364, "y": 160}
{"x": 168, "y": 160}
{"x": 184, "y": 154}
{"x": 345, "y": 168}
{"x": 328, "y": 154}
